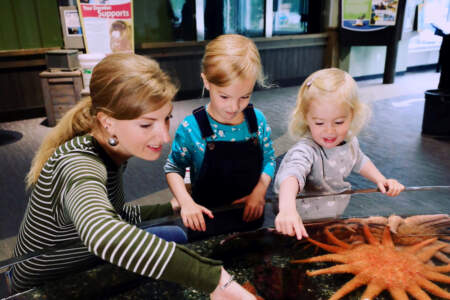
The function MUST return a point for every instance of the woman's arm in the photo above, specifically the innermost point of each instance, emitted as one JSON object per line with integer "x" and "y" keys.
{"x": 107, "y": 236}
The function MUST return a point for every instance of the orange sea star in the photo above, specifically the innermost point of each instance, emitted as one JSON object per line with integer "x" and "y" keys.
{"x": 381, "y": 266}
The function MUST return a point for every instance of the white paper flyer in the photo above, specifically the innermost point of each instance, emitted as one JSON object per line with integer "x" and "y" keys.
{"x": 107, "y": 25}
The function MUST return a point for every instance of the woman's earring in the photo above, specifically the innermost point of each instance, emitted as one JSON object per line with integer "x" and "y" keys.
{"x": 113, "y": 141}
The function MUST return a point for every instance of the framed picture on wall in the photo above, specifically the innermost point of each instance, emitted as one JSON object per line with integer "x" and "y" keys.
{"x": 71, "y": 27}
{"x": 383, "y": 12}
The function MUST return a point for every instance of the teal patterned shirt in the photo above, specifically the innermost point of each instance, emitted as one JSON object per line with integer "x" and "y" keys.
{"x": 188, "y": 147}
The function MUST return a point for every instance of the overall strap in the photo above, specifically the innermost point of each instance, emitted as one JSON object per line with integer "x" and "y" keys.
{"x": 203, "y": 122}
{"x": 250, "y": 116}
{"x": 205, "y": 128}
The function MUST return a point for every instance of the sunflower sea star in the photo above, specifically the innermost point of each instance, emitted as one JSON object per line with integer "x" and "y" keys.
{"x": 382, "y": 266}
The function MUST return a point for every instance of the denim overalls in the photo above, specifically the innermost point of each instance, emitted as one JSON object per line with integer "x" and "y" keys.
{"x": 230, "y": 171}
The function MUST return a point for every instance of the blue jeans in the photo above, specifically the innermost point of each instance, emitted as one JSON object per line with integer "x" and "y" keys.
{"x": 8, "y": 278}
{"x": 170, "y": 233}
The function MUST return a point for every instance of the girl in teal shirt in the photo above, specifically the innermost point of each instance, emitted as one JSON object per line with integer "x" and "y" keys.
{"x": 226, "y": 144}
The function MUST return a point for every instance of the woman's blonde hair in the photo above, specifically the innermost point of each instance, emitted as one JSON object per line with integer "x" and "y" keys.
{"x": 123, "y": 86}
{"x": 331, "y": 85}
{"x": 232, "y": 56}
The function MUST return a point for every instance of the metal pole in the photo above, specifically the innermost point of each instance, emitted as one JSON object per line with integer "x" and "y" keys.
{"x": 390, "y": 62}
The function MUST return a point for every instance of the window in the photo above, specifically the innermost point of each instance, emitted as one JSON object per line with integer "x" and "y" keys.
{"x": 290, "y": 16}
{"x": 183, "y": 21}
{"x": 430, "y": 12}
{"x": 245, "y": 17}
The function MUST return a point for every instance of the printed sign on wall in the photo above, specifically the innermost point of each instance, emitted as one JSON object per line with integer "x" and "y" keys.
{"x": 107, "y": 25}
{"x": 368, "y": 15}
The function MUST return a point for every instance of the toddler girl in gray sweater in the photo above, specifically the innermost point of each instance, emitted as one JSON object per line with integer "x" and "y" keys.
{"x": 327, "y": 118}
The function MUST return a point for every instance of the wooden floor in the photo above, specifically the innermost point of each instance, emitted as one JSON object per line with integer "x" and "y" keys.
{"x": 392, "y": 140}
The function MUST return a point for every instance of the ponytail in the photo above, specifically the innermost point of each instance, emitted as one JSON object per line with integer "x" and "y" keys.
{"x": 77, "y": 121}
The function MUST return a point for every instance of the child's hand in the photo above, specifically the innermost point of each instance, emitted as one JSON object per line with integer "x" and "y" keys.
{"x": 390, "y": 187}
{"x": 192, "y": 216}
{"x": 290, "y": 223}
{"x": 175, "y": 205}
{"x": 254, "y": 206}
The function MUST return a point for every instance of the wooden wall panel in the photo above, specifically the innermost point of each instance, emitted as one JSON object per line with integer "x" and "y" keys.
{"x": 286, "y": 60}
{"x": 29, "y": 24}
{"x": 8, "y": 91}
{"x": 185, "y": 69}
{"x": 20, "y": 89}
{"x": 49, "y": 23}
{"x": 282, "y": 66}
{"x": 8, "y": 32}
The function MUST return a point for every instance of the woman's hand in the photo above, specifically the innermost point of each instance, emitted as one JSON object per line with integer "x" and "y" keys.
{"x": 290, "y": 223}
{"x": 390, "y": 187}
{"x": 192, "y": 215}
{"x": 228, "y": 289}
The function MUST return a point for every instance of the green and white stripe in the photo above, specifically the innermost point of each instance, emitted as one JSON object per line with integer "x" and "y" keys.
{"x": 79, "y": 194}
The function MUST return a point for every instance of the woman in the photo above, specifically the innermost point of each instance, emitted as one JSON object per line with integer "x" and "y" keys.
{"x": 76, "y": 180}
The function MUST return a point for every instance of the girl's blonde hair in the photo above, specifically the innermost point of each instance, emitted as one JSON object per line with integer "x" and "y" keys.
{"x": 331, "y": 85}
{"x": 123, "y": 86}
{"x": 232, "y": 56}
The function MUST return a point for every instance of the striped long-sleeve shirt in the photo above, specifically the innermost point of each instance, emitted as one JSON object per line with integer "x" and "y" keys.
{"x": 79, "y": 194}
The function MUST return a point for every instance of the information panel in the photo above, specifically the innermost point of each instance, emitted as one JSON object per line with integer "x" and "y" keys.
{"x": 107, "y": 25}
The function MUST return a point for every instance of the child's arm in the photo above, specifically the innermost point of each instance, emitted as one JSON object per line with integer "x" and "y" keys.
{"x": 175, "y": 167}
{"x": 390, "y": 187}
{"x": 191, "y": 213}
{"x": 288, "y": 221}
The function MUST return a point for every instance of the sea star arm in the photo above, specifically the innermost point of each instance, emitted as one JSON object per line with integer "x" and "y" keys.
{"x": 369, "y": 236}
{"x": 372, "y": 291}
{"x": 433, "y": 288}
{"x": 417, "y": 292}
{"x": 435, "y": 276}
{"x": 332, "y": 270}
{"x": 442, "y": 269}
{"x": 442, "y": 257}
{"x": 428, "y": 253}
{"x": 335, "y": 240}
{"x": 351, "y": 285}
{"x": 326, "y": 257}
{"x": 387, "y": 238}
{"x": 329, "y": 248}
{"x": 398, "y": 294}
{"x": 413, "y": 249}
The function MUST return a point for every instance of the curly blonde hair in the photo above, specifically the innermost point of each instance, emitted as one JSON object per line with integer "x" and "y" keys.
{"x": 123, "y": 86}
{"x": 232, "y": 56}
{"x": 332, "y": 85}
